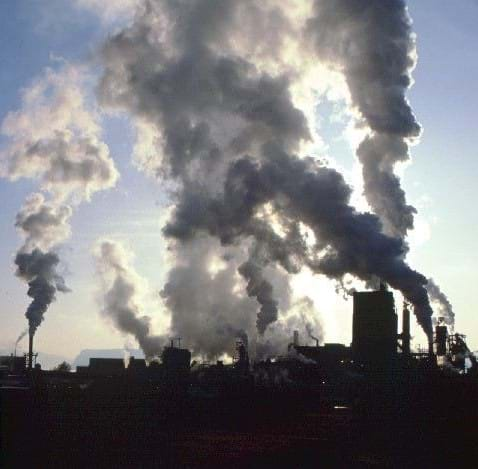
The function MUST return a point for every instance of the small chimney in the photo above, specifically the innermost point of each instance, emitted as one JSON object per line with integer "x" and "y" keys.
{"x": 441, "y": 334}
{"x": 30, "y": 350}
{"x": 296, "y": 339}
{"x": 406, "y": 329}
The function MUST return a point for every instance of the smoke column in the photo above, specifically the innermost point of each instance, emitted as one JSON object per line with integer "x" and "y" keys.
{"x": 120, "y": 287}
{"x": 215, "y": 116}
{"x": 55, "y": 139}
{"x": 20, "y": 337}
{"x": 372, "y": 44}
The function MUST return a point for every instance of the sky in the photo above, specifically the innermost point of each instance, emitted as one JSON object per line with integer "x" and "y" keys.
{"x": 440, "y": 181}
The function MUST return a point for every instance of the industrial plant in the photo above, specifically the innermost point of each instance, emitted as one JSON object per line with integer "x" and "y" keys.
{"x": 377, "y": 379}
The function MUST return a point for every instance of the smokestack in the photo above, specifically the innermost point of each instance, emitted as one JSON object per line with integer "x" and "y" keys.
{"x": 30, "y": 350}
{"x": 406, "y": 329}
{"x": 296, "y": 339}
{"x": 441, "y": 334}
{"x": 430, "y": 347}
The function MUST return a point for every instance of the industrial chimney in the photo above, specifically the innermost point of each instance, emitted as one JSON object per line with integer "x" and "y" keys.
{"x": 30, "y": 349}
{"x": 296, "y": 338}
{"x": 441, "y": 334}
{"x": 406, "y": 329}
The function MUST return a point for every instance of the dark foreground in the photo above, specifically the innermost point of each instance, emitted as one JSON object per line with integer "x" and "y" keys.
{"x": 425, "y": 426}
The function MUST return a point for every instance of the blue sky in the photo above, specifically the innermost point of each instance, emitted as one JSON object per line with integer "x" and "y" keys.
{"x": 441, "y": 181}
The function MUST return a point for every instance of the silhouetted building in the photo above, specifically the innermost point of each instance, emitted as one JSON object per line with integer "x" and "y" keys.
{"x": 374, "y": 340}
{"x": 106, "y": 366}
{"x": 175, "y": 359}
{"x": 137, "y": 365}
{"x": 241, "y": 359}
{"x": 14, "y": 364}
{"x": 327, "y": 356}
{"x": 441, "y": 335}
{"x": 406, "y": 337}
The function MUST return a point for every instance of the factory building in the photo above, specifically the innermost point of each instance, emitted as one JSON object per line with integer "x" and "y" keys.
{"x": 106, "y": 366}
{"x": 13, "y": 364}
{"x": 374, "y": 328}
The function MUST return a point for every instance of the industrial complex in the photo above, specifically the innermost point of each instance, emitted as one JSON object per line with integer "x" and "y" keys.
{"x": 303, "y": 404}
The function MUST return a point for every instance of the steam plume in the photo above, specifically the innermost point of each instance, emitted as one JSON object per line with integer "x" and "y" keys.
{"x": 372, "y": 44}
{"x": 227, "y": 131}
{"x": 120, "y": 290}
{"x": 54, "y": 138}
{"x": 20, "y": 337}
{"x": 441, "y": 301}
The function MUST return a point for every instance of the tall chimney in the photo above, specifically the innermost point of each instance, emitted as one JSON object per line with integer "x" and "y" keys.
{"x": 430, "y": 347}
{"x": 296, "y": 338}
{"x": 406, "y": 329}
{"x": 30, "y": 350}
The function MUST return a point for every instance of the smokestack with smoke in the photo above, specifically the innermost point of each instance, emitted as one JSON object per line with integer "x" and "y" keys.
{"x": 440, "y": 300}
{"x": 225, "y": 129}
{"x": 53, "y": 138}
{"x": 119, "y": 294}
{"x": 38, "y": 269}
{"x": 19, "y": 338}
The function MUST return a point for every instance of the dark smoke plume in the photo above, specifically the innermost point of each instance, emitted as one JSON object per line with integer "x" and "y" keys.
{"x": 38, "y": 269}
{"x": 227, "y": 131}
{"x": 371, "y": 42}
{"x": 260, "y": 288}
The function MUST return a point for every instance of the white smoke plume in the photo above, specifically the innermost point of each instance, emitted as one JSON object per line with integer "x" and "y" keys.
{"x": 120, "y": 293}
{"x": 443, "y": 306}
{"x": 227, "y": 132}
{"x": 20, "y": 337}
{"x": 43, "y": 224}
{"x": 54, "y": 138}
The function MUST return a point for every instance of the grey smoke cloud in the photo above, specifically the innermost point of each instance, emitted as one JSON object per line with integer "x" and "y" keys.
{"x": 228, "y": 132}
{"x": 43, "y": 224}
{"x": 207, "y": 302}
{"x": 119, "y": 296}
{"x": 371, "y": 42}
{"x": 441, "y": 302}
{"x": 56, "y": 138}
{"x": 352, "y": 242}
{"x": 259, "y": 287}
{"x": 38, "y": 269}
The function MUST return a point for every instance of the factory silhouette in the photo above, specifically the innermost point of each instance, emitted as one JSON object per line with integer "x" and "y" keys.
{"x": 373, "y": 403}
